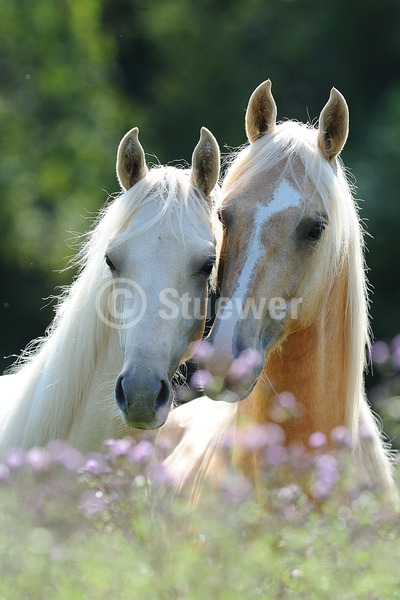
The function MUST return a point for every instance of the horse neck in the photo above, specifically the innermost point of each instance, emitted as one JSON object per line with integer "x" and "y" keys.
{"x": 313, "y": 365}
{"x": 68, "y": 373}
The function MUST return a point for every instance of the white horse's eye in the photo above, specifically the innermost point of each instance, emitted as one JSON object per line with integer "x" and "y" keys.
{"x": 207, "y": 267}
{"x": 109, "y": 262}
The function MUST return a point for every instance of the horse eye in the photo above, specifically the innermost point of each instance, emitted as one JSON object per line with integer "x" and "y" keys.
{"x": 220, "y": 217}
{"x": 207, "y": 268}
{"x": 109, "y": 262}
{"x": 316, "y": 230}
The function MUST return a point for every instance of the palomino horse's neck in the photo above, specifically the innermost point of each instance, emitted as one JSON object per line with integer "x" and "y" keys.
{"x": 311, "y": 365}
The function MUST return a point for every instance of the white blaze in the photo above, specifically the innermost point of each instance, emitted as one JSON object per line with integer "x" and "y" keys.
{"x": 285, "y": 196}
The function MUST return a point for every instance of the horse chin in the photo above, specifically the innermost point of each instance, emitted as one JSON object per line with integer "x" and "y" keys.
{"x": 156, "y": 423}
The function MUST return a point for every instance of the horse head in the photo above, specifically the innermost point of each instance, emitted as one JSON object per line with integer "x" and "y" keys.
{"x": 281, "y": 240}
{"x": 158, "y": 266}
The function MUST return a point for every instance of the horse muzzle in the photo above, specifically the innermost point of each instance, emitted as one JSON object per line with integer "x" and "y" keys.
{"x": 241, "y": 363}
{"x": 144, "y": 400}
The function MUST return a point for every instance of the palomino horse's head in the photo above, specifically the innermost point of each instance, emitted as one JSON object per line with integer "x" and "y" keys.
{"x": 158, "y": 264}
{"x": 281, "y": 241}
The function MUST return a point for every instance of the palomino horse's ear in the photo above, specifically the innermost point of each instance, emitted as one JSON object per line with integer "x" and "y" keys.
{"x": 333, "y": 125}
{"x": 261, "y": 112}
{"x": 131, "y": 163}
{"x": 205, "y": 162}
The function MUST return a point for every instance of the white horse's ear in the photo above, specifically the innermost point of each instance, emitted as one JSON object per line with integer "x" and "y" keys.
{"x": 205, "y": 163}
{"x": 131, "y": 163}
{"x": 261, "y": 112}
{"x": 333, "y": 125}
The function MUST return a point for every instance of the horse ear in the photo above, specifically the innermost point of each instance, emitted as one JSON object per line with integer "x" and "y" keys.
{"x": 333, "y": 125}
{"x": 131, "y": 163}
{"x": 205, "y": 163}
{"x": 261, "y": 112}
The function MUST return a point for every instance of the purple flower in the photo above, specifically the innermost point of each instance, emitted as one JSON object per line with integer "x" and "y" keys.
{"x": 328, "y": 475}
{"x": 380, "y": 352}
{"x": 275, "y": 455}
{"x": 288, "y": 401}
{"x": 38, "y": 458}
{"x": 321, "y": 489}
{"x": 119, "y": 447}
{"x": 289, "y": 493}
{"x": 92, "y": 502}
{"x": 95, "y": 465}
{"x": 141, "y": 452}
{"x": 340, "y": 436}
{"x": 159, "y": 474}
{"x": 203, "y": 352}
{"x": 15, "y": 458}
{"x": 254, "y": 436}
{"x": 274, "y": 434}
{"x": 317, "y": 440}
{"x": 66, "y": 456}
{"x": 327, "y": 468}
{"x": 395, "y": 343}
{"x": 396, "y": 357}
{"x": 201, "y": 379}
{"x": 244, "y": 365}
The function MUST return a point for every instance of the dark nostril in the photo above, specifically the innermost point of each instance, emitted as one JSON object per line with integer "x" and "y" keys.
{"x": 163, "y": 396}
{"x": 120, "y": 394}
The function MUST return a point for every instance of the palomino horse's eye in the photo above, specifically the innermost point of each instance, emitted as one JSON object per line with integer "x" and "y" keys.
{"x": 220, "y": 217}
{"x": 316, "y": 231}
{"x": 109, "y": 262}
{"x": 207, "y": 268}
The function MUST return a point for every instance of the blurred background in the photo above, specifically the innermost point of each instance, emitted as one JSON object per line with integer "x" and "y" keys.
{"x": 76, "y": 75}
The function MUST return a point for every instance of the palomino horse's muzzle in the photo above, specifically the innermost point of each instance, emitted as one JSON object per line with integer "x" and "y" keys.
{"x": 144, "y": 401}
{"x": 239, "y": 360}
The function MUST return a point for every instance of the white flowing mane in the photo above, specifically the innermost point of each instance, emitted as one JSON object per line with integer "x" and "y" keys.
{"x": 291, "y": 141}
{"x": 59, "y": 366}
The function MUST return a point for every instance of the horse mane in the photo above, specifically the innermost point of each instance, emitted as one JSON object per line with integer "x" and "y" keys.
{"x": 292, "y": 141}
{"x": 65, "y": 357}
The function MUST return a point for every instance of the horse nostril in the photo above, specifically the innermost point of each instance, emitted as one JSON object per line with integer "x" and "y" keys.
{"x": 120, "y": 394}
{"x": 163, "y": 396}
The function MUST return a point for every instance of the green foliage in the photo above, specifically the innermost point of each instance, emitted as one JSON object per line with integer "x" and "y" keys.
{"x": 75, "y": 76}
{"x": 60, "y": 121}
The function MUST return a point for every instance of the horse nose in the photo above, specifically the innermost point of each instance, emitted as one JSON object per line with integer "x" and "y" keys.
{"x": 144, "y": 402}
{"x": 163, "y": 396}
{"x": 120, "y": 396}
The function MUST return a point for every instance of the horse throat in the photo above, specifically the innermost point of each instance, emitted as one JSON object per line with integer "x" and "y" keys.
{"x": 311, "y": 365}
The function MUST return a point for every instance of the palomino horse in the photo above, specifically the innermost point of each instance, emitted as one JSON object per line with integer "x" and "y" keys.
{"x": 291, "y": 274}
{"x": 154, "y": 243}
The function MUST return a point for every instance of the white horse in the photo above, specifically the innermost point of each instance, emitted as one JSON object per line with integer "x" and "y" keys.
{"x": 292, "y": 269}
{"x": 121, "y": 322}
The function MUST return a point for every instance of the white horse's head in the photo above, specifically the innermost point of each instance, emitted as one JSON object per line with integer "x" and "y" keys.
{"x": 287, "y": 213}
{"x": 158, "y": 265}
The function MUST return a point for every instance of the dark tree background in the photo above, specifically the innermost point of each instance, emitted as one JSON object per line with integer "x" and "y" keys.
{"x": 76, "y": 75}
